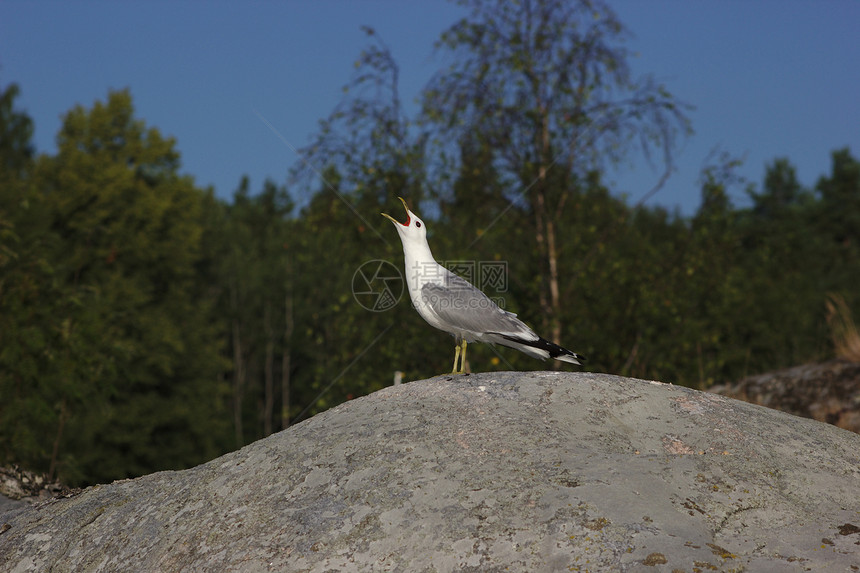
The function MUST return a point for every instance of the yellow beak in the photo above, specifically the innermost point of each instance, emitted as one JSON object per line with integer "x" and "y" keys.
{"x": 393, "y": 220}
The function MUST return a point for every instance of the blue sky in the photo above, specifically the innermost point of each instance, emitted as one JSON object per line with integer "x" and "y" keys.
{"x": 768, "y": 78}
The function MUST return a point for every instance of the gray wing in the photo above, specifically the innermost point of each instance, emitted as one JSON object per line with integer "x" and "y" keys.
{"x": 462, "y": 306}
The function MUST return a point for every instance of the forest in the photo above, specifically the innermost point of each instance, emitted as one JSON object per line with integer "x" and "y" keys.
{"x": 147, "y": 324}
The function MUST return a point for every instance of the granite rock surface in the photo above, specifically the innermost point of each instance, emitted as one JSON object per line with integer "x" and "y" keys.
{"x": 505, "y": 471}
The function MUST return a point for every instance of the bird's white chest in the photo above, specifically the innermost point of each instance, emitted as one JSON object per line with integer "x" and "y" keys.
{"x": 419, "y": 273}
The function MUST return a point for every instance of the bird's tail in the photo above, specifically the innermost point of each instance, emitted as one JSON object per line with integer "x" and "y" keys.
{"x": 554, "y": 350}
{"x": 563, "y": 354}
{"x": 571, "y": 357}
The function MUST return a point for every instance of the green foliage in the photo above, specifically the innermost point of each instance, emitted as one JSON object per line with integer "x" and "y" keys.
{"x": 16, "y": 130}
{"x": 111, "y": 340}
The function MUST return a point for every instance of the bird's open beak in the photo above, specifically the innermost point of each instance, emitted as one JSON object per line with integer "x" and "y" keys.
{"x": 393, "y": 220}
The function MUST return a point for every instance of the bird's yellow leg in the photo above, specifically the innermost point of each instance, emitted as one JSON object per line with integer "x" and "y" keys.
{"x": 456, "y": 356}
{"x": 463, "y": 358}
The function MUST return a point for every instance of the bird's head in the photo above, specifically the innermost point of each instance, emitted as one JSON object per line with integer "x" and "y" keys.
{"x": 413, "y": 230}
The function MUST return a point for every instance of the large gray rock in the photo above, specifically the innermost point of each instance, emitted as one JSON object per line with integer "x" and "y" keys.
{"x": 532, "y": 471}
{"x": 826, "y": 391}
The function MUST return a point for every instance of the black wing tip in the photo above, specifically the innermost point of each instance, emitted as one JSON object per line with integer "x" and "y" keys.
{"x": 554, "y": 350}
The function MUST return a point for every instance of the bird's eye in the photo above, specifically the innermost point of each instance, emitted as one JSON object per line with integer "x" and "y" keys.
{"x": 418, "y": 224}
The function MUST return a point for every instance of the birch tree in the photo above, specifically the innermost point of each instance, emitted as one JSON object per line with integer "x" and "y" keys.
{"x": 547, "y": 85}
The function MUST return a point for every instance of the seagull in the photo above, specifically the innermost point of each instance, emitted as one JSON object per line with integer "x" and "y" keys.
{"x": 450, "y": 303}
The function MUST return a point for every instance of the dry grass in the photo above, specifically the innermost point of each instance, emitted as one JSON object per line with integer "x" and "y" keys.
{"x": 846, "y": 339}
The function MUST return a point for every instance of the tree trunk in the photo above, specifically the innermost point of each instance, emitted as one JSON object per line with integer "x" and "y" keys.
{"x": 540, "y": 237}
{"x": 286, "y": 361}
{"x": 540, "y": 228}
{"x": 269, "y": 385}
{"x": 555, "y": 299}
{"x": 55, "y": 452}
{"x": 238, "y": 371}
{"x": 550, "y": 299}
